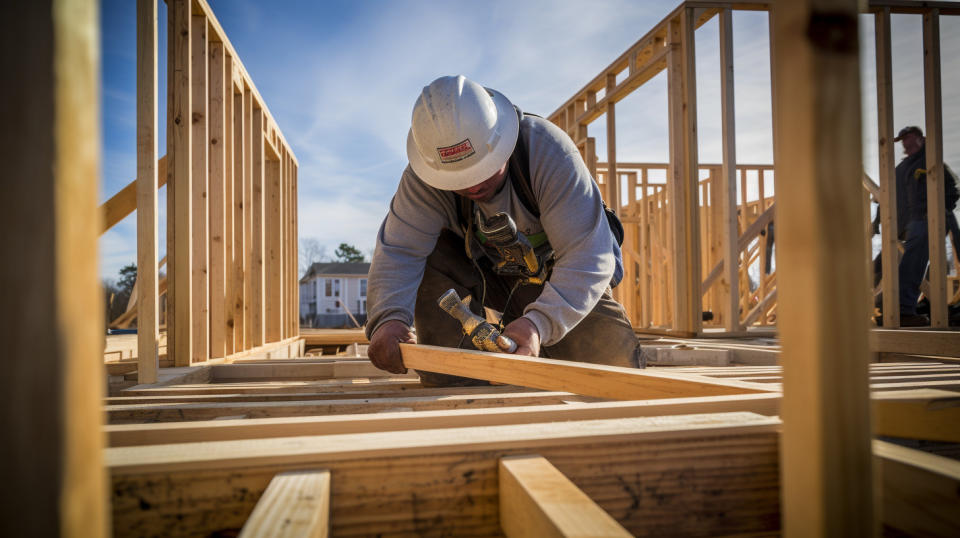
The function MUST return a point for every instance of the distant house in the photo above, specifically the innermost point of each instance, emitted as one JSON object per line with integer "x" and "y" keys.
{"x": 329, "y": 290}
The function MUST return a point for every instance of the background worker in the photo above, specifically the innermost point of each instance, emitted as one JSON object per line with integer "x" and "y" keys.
{"x": 912, "y": 220}
{"x": 472, "y": 156}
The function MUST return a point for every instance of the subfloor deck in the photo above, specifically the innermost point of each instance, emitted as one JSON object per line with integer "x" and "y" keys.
{"x": 194, "y": 454}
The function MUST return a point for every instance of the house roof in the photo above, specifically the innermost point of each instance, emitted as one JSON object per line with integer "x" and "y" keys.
{"x": 336, "y": 268}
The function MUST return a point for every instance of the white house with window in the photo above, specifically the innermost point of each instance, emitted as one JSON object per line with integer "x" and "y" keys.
{"x": 329, "y": 290}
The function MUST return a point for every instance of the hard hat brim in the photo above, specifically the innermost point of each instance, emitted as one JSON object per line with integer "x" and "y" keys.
{"x": 452, "y": 180}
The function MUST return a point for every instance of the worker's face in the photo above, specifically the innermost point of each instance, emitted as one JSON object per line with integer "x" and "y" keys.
{"x": 912, "y": 143}
{"x": 484, "y": 191}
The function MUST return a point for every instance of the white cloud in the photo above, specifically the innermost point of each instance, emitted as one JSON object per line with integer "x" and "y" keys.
{"x": 345, "y": 106}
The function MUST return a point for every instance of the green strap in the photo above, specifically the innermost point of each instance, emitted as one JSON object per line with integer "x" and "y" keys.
{"x": 536, "y": 239}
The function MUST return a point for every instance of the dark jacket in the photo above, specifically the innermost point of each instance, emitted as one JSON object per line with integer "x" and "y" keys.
{"x": 912, "y": 189}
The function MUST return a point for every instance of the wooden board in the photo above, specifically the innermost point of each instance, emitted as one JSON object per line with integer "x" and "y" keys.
{"x": 51, "y": 323}
{"x": 295, "y": 504}
{"x": 172, "y": 412}
{"x": 537, "y": 500}
{"x": 821, "y": 270}
{"x": 577, "y": 377}
{"x": 182, "y": 432}
{"x": 921, "y": 492}
{"x": 714, "y": 474}
{"x": 147, "y": 295}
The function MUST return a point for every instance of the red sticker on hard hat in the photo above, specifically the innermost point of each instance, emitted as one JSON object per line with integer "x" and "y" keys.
{"x": 456, "y": 152}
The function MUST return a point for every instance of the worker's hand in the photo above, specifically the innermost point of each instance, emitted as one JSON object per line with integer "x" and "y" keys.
{"x": 384, "y": 350}
{"x": 525, "y": 334}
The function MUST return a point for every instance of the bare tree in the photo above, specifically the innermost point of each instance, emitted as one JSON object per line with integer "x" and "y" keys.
{"x": 311, "y": 251}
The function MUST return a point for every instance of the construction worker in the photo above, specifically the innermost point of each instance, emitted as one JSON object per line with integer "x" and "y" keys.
{"x": 912, "y": 220}
{"x": 472, "y": 156}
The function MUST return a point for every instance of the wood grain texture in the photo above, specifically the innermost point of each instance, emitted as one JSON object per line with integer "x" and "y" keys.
{"x": 537, "y": 500}
{"x": 179, "y": 156}
{"x": 172, "y": 412}
{"x": 577, "y": 377}
{"x": 887, "y": 171}
{"x": 217, "y": 240}
{"x": 920, "y": 491}
{"x": 200, "y": 242}
{"x": 936, "y": 210}
{"x": 295, "y": 504}
{"x": 147, "y": 295}
{"x": 822, "y": 314}
{"x": 51, "y": 322}
{"x": 656, "y": 476}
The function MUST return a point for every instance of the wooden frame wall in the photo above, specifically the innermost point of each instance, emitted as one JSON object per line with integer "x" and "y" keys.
{"x": 231, "y": 176}
{"x": 680, "y": 263}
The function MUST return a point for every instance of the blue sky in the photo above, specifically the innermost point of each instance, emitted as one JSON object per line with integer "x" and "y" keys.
{"x": 340, "y": 78}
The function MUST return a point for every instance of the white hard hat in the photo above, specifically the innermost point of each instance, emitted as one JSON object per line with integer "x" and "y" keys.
{"x": 461, "y": 133}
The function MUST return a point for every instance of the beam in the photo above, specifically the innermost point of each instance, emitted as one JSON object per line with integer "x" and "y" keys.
{"x": 733, "y": 488}
{"x": 536, "y": 499}
{"x": 218, "y": 202}
{"x": 124, "y": 202}
{"x": 887, "y": 176}
{"x": 296, "y": 503}
{"x": 180, "y": 211}
{"x": 936, "y": 210}
{"x": 170, "y": 412}
{"x": 730, "y": 252}
{"x": 199, "y": 161}
{"x": 825, "y": 457}
{"x": 262, "y": 428}
{"x": 51, "y": 323}
{"x": 148, "y": 293}
{"x": 577, "y": 377}
{"x": 920, "y": 491}
{"x": 915, "y": 342}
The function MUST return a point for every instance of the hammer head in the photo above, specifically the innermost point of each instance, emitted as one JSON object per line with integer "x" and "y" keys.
{"x": 483, "y": 335}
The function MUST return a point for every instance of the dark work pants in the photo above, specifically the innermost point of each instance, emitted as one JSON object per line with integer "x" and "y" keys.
{"x": 605, "y": 336}
{"x": 916, "y": 254}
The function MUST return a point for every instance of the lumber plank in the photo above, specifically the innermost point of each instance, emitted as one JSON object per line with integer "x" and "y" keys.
{"x": 920, "y": 491}
{"x": 695, "y": 474}
{"x": 577, "y": 377}
{"x": 51, "y": 323}
{"x": 322, "y": 395}
{"x": 147, "y": 297}
{"x": 124, "y": 202}
{"x": 200, "y": 243}
{"x": 217, "y": 200}
{"x": 826, "y": 460}
{"x": 918, "y": 414}
{"x": 295, "y": 504}
{"x": 936, "y": 211}
{"x": 273, "y": 240}
{"x": 257, "y": 428}
{"x": 238, "y": 283}
{"x": 179, "y": 156}
{"x": 167, "y": 412}
{"x": 255, "y": 271}
{"x": 189, "y": 387}
{"x": 536, "y": 499}
{"x": 927, "y": 414}
{"x": 887, "y": 172}
{"x": 332, "y": 337}
{"x": 727, "y": 187}
{"x": 248, "y": 179}
{"x": 229, "y": 213}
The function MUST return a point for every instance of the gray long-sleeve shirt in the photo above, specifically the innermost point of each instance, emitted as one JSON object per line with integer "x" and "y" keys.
{"x": 571, "y": 214}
